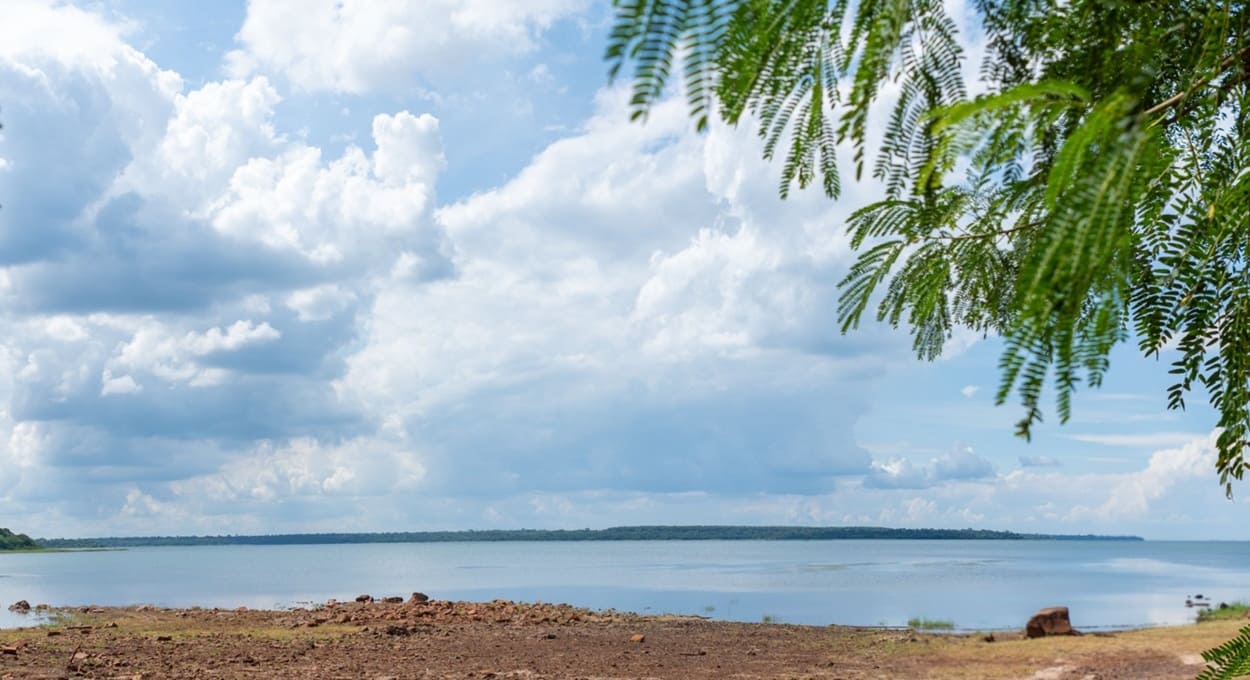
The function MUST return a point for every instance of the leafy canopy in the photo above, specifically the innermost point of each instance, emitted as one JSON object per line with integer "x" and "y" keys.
{"x": 1097, "y": 189}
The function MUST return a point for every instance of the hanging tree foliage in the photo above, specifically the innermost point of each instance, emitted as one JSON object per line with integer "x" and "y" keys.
{"x": 1098, "y": 189}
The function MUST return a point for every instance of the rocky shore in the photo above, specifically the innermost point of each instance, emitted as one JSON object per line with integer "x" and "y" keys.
{"x": 416, "y": 637}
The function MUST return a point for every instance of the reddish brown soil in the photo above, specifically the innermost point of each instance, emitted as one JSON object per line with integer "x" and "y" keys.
{"x": 509, "y": 640}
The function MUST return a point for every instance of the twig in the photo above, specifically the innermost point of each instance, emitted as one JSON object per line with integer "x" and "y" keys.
{"x": 988, "y": 234}
{"x": 69, "y": 665}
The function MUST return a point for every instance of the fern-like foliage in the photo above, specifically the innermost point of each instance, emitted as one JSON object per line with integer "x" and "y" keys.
{"x": 1229, "y": 660}
{"x": 1097, "y": 190}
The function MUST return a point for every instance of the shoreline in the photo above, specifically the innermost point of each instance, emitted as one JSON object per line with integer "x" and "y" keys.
{"x": 45, "y": 611}
{"x": 946, "y": 627}
{"x": 504, "y": 639}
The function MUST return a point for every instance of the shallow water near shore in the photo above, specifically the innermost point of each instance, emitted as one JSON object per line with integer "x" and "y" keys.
{"x": 974, "y": 584}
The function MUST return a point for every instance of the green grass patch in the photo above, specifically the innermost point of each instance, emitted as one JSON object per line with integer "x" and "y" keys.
{"x": 1225, "y": 611}
{"x": 920, "y": 623}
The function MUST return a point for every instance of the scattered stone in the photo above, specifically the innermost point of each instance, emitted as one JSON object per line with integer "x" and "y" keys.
{"x": 110, "y": 624}
{"x": 1049, "y": 621}
{"x": 418, "y": 598}
{"x": 393, "y": 600}
{"x": 42, "y": 607}
{"x": 53, "y": 633}
{"x": 988, "y": 638}
{"x": 638, "y": 637}
{"x": 332, "y": 602}
{"x": 396, "y": 630}
{"x": 79, "y": 656}
{"x": 21, "y": 607}
{"x": 164, "y": 638}
{"x": 8, "y": 651}
{"x": 241, "y": 610}
{"x": 145, "y": 608}
{"x": 364, "y": 599}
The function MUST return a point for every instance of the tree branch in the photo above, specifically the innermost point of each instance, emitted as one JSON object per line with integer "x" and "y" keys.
{"x": 1181, "y": 96}
{"x": 988, "y": 234}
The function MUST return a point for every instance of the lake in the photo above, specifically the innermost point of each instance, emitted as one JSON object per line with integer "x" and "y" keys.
{"x": 976, "y": 584}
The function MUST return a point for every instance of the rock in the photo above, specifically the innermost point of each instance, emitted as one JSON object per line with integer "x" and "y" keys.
{"x": 164, "y": 638}
{"x": 145, "y": 608}
{"x": 1049, "y": 621}
{"x": 418, "y": 598}
{"x": 988, "y": 638}
{"x": 21, "y": 607}
{"x": 8, "y": 651}
{"x": 42, "y": 607}
{"x": 393, "y": 600}
{"x": 638, "y": 637}
{"x": 364, "y": 599}
{"x": 332, "y": 602}
{"x": 53, "y": 633}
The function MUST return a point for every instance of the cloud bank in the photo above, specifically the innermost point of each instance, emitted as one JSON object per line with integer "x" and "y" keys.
{"x": 214, "y": 321}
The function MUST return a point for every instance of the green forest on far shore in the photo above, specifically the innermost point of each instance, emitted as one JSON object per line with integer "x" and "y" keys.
{"x": 12, "y": 541}
{"x": 634, "y": 533}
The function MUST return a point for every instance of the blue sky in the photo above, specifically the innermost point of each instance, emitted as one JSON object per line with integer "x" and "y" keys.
{"x": 309, "y": 266}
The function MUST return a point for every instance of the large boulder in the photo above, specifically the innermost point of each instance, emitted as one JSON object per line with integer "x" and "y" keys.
{"x": 1049, "y": 621}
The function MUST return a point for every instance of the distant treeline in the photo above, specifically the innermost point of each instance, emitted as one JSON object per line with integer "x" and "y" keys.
{"x": 12, "y": 541}
{"x": 640, "y": 533}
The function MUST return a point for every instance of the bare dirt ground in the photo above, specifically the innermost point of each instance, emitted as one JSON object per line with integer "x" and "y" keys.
{"x": 500, "y": 639}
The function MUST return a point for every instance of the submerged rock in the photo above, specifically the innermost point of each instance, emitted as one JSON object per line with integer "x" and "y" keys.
{"x": 21, "y": 607}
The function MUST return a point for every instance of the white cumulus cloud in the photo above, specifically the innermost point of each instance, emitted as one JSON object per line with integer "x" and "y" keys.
{"x": 360, "y": 46}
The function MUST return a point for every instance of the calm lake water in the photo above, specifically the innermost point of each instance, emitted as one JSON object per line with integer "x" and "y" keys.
{"x": 975, "y": 584}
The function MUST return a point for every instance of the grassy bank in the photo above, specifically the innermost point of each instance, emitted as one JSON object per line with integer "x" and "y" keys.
{"x": 1225, "y": 611}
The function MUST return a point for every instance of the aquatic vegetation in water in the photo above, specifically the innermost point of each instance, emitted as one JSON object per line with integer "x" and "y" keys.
{"x": 920, "y": 623}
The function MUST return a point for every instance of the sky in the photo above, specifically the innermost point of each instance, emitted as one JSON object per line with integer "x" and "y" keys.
{"x": 335, "y": 265}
